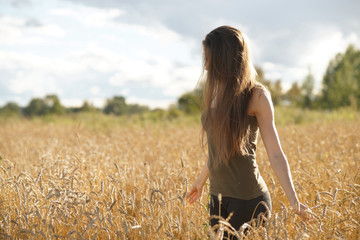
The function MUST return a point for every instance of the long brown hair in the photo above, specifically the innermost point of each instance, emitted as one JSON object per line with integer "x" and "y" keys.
{"x": 229, "y": 81}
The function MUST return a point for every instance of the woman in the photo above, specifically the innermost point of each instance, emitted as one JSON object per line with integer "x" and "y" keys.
{"x": 236, "y": 107}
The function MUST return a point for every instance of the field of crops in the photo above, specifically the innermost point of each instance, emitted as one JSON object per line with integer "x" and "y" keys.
{"x": 83, "y": 181}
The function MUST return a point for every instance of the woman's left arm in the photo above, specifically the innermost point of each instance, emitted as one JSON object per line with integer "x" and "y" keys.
{"x": 263, "y": 109}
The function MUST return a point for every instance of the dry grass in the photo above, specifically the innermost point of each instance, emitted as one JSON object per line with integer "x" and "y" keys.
{"x": 73, "y": 182}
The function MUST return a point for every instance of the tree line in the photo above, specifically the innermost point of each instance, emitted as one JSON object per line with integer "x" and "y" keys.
{"x": 340, "y": 88}
{"x": 51, "y": 105}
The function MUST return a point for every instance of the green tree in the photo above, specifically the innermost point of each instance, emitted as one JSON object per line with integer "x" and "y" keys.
{"x": 276, "y": 92}
{"x": 136, "y": 108}
{"x": 53, "y": 104}
{"x": 293, "y": 95}
{"x": 341, "y": 82}
{"x": 307, "y": 89}
{"x": 87, "y": 107}
{"x": 40, "y": 107}
{"x": 36, "y": 107}
{"x": 274, "y": 88}
{"x": 116, "y": 105}
{"x": 173, "y": 112}
{"x": 10, "y": 109}
{"x": 189, "y": 102}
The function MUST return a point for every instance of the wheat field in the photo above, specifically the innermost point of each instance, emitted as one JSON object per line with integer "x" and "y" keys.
{"x": 81, "y": 181}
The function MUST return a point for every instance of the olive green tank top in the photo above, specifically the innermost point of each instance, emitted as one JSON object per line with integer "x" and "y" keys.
{"x": 241, "y": 178}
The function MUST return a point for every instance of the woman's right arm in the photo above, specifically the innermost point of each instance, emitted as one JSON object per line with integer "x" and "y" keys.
{"x": 196, "y": 189}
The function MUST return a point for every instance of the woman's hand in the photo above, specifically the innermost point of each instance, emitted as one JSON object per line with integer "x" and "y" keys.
{"x": 195, "y": 192}
{"x": 303, "y": 211}
{"x": 197, "y": 187}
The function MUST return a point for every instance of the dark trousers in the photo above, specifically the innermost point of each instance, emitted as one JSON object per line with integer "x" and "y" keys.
{"x": 243, "y": 210}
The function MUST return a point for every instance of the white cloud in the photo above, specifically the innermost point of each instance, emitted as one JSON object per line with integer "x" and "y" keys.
{"x": 324, "y": 45}
{"x": 150, "y": 102}
{"x": 15, "y": 62}
{"x": 159, "y": 72}
{"x": 98, "y": 59}
{"x": 95, "y": 90}
{"x": 37, "y": 75}
{"x": 97, "y": 102}
{"x": 124, "y": 91}
{"x": 109, "y": 18}
{"x": 275, "y": 71}
{"x": 35, "y": 82}
{"x": 43, "y": 75}
{"x": 10, "y": 29}
{"x": 312, "y": 47}
{"x": 13, "y": 30}
{"x": 73, "y": 102}
{"x": 50, "y": 30}
{"x": 78, "y": 102}
{"x": 90, "y": 16}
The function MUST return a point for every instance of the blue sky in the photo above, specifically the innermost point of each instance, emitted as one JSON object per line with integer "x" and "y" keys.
{"x": 149, "y": 51}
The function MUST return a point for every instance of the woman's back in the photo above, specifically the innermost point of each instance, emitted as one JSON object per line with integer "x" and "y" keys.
{"x": 240, "y": 178}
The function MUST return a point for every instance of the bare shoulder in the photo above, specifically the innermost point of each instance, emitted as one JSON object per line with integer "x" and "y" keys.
{"x": 260, "y": 98}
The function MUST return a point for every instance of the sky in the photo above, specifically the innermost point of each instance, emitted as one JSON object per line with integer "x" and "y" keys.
{"x": 149, "y": 51}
